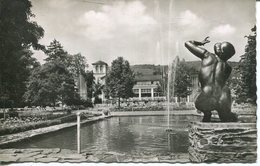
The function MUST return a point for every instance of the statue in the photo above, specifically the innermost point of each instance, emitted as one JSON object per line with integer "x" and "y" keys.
{"x": 213, "y": 75}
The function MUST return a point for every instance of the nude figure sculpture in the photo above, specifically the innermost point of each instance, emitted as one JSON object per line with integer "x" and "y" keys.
{"x": 213, "y": 75}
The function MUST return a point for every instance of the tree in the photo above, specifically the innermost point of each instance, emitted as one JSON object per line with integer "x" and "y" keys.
{"x": 51, "y": 83}
{"x": 77, "y": 64}
{"x": 55, "y": 80}
{"x": 89, "y": 77}
{"x": 120, "y": 80}
{"x": 183, "y": 83}
{"x": 159, "y": 89}
{"x": 97, "y": 90}
{"x": 246, "y": 86}
{"x": 17, "y": 35}
{"x": 180, "y": 79}
{"x": 55, "y": 52}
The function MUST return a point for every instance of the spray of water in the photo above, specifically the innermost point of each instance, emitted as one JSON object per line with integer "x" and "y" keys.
{"x": 169, "y": 65}
{"x": 159, "y": 51}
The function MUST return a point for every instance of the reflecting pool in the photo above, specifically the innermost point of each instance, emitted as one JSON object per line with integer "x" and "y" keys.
{"x": 119, "y": 134}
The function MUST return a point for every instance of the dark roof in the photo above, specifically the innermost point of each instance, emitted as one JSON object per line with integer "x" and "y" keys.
{"x": 148, "y": 77}
{"x": 99, "y": 63}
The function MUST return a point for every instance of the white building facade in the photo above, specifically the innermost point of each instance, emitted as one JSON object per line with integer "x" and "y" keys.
{"x": 146, "y": 86}
{"x": 100, "y": 70}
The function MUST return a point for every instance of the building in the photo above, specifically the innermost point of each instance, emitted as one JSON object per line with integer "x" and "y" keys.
{"x": 146, "y": 86}
{"x": 100, "y": 70}
{"x": 148, "y": 81}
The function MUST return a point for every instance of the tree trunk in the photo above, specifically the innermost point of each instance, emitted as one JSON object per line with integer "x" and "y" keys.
{"x": 53, "y": 101}
{"x": 118, "y": 102}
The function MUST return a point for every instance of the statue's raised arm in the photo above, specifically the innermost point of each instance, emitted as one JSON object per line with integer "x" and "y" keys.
{"x": 193, "y": 47}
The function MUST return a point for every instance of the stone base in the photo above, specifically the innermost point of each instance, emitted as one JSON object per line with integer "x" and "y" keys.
{"x": 222, "y": 142}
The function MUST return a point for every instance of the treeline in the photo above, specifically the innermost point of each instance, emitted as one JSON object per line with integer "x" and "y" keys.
{"x": 23, "y": 81}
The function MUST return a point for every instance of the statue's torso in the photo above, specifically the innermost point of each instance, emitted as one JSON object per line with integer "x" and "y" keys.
{"x": 213, "y": 74}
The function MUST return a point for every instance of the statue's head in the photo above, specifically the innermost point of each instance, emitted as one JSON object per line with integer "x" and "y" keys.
{"x": 224, "y": 50}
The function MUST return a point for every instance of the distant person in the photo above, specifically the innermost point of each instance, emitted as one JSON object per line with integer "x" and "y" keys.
{"x": 213, "y": 75}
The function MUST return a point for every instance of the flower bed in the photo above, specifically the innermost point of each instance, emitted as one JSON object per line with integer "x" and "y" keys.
{"x": 153, "y": 108}
{"x": 14, "y": 124}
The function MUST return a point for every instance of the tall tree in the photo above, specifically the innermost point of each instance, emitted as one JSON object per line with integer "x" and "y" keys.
{"x": 246, "y": 87}
{"x": 180, "y": 79}
{"x": 77, "y": 64}
{"x": 55, "y": 80}
{"x": 183, "y": 83}
{"x": 17, "y": 35}
{"x": 50, "y": 83}
{"x": 97, "y": 90}
{"x": 55, "y": 52}
{"x": 120, "y": 80}
{"x": 90, "y": 79}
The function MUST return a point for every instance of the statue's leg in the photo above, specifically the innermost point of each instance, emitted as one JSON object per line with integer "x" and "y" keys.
{"x": 224, "y": 106}
{"x": 205, "y": 104}
{"x": 207, "y": 116}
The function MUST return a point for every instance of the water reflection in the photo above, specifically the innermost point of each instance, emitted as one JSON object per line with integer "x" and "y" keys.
{"x": 177, "y": 141}
{"x": 120, "y": 134}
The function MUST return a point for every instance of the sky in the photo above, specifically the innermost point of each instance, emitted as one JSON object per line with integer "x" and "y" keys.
{"x": 142, "y": 31}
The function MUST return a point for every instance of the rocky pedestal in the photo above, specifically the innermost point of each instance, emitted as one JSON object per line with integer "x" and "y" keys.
{"x": 222, "y": 142}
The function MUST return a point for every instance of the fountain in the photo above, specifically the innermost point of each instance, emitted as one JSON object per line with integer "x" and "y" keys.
{"x": 217, "y": 142}
{"x": 173, "y": 136}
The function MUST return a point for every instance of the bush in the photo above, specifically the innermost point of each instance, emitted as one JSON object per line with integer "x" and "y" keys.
{"x": 87, "y": 103}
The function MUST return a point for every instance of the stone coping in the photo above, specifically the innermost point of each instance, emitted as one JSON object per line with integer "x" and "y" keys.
{"x": 154, "y": 113}
{"x": 218, "y": 125}
{"x": 71, "y": 156}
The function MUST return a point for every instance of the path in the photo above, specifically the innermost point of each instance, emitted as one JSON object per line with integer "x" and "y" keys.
{"x": 65, "y": 155}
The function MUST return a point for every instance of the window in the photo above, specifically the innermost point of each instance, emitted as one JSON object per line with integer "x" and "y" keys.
{"x": 146, "y": 90}
{"x": 101, "y": 69}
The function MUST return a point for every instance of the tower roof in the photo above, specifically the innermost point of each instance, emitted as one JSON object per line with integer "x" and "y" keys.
{"x": 99, "y": 63}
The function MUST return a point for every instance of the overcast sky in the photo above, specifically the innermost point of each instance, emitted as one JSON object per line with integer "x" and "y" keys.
{"x": 142, "y": 31}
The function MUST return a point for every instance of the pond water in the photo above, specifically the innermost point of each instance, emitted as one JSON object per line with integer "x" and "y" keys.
{"x": 119, "y": 134}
